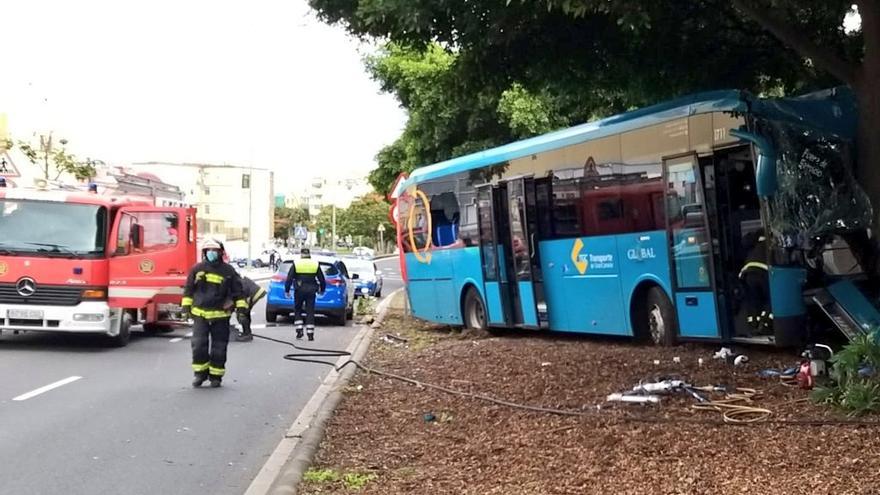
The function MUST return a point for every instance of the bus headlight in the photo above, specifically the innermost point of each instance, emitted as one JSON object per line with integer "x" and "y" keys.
{"x": 88, "y": 317}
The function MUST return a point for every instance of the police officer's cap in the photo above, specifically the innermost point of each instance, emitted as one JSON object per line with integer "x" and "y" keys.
{"x": 305, "y": 252}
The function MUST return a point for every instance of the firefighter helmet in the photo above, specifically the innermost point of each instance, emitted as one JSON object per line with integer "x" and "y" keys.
{"x": 212, "y": 244}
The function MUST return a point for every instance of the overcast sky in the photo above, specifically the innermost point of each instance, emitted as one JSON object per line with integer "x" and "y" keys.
{"x": 260, "y": 82}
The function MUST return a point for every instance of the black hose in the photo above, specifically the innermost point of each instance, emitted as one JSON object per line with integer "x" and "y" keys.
{"x": 305, "y": 357}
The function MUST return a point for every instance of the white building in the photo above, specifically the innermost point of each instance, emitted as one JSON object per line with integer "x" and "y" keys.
{"x": 235, "y": 204}
{"x": 324, "y": 192}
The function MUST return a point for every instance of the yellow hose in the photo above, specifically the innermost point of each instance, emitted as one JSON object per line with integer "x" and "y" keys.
{"x": 732, "y": 407}
{"x": 422, "y": 257}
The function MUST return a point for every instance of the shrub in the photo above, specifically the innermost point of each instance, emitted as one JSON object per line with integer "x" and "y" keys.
{"x": 850, "y": 389}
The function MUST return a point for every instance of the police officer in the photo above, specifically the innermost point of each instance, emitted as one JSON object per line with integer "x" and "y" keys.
{"x": 212, "y": 288}
{"x": 252, "y": 294}
{"x": 308, "y": 278}
{"x": 754, "y": 275}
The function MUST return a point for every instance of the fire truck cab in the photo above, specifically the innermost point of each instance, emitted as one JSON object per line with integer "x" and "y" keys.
{"x": 86, "y": 263}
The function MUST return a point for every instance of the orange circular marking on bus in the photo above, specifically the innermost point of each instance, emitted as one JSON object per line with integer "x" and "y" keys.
{"x": 425, "y": 256}
{"x": 4, "y": 268}
{"x": 146, "y": 266}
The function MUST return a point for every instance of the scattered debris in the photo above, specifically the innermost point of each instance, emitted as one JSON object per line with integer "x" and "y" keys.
{"x": 740, "y": 360}
{"x": 397, "y": 338}
{"x": 638, "y": 399}
{"x": 724, "y": 353}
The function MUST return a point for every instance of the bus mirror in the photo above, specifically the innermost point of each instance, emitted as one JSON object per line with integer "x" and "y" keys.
{"x": 766, "y": 181}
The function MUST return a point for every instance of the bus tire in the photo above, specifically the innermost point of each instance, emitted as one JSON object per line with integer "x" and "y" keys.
{"x": 124, "y": 335}
{"x": 474, "y": 314}
{"x": 659, "y": 318}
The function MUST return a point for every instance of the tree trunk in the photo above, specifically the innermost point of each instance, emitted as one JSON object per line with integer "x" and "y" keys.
{"x": 867, "y": 88}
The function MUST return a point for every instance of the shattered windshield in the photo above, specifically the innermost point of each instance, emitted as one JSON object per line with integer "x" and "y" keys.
{"x": 818, "y": 195}
{"x": 61, "y": 229}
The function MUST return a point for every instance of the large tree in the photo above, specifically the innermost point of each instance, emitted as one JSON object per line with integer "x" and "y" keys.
{"x": 586, "y": 58}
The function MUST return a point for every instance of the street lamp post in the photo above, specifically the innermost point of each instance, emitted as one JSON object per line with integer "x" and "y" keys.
{"x": 250, "y": 210}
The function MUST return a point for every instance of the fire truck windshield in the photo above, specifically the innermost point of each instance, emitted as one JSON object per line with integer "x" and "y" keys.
{"x": 52, "y": 229}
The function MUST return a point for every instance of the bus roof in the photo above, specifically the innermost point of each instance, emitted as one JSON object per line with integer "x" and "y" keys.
{"x": 72, "y": 197}
{"x": 812, "y": 109}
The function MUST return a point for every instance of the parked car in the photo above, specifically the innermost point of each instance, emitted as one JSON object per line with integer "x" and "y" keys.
{"x": 265, "y": 256}
{"x": 369, "y": 281}
{"x": 240, "y": 262}
{"x": 337, "y": 301}
{"x": 363, "y": 252}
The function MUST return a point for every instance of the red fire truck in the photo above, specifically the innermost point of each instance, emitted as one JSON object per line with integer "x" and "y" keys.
{"x": 87, "y": 263}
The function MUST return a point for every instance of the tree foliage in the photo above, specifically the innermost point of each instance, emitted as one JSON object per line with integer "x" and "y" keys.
{"x": 287, "y": 218}
{"x": 361, "y": 219}
{"x": 479, "y": 73}
{"x": 56, "y": 159}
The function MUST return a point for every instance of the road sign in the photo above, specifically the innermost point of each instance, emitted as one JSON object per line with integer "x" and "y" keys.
{"x": 381, "y": 228}
{"x": 7, "y": 168}
{"x": 301, "y": 232}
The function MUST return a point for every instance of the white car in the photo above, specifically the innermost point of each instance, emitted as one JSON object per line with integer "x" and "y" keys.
{"x": 264, "y": 257}
{"x": 363, "y": 252}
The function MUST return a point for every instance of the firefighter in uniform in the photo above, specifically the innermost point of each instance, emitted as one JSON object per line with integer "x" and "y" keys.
{"x": 755, "y": 276}
{"x": 252, "y": 295}
{"x": 305, "y": 273}
{"x": 212, "y": 288}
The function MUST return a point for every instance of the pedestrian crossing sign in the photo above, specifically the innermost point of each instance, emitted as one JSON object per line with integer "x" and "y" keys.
{"x": 7, "y": 168}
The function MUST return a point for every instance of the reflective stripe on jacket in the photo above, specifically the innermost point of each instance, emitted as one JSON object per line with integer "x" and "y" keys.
{"x": 308, "y": 275}
{"x": 212, "y": 289}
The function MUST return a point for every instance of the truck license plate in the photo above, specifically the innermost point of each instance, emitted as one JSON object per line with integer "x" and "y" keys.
{"x": 24, "y": 314}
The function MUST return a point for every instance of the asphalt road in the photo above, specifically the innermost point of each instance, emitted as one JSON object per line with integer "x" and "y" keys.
{"x": 128, "y": 421}
{"x": 392, "y": 281}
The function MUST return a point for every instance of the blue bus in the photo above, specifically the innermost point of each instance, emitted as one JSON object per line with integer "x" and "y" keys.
{"x": 640, "y": 224}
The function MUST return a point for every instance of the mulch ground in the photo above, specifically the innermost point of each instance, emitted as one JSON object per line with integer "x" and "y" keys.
{"x": 412, "y": 440}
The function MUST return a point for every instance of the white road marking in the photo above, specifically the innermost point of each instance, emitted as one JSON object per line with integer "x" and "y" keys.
{"x": 59, "y": 383}
{"x": 259, "y": 326}
{"x": 177, "y": 339}
{"x": 190, "y": 334}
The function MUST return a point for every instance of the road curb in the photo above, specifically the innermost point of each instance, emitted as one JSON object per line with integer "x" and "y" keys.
{"x": 284, "y": 469}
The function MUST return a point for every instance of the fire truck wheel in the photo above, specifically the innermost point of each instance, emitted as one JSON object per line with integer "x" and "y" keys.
{"x": 121, "y": 340}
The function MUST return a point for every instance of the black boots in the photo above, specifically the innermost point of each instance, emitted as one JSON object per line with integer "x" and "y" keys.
{"x": 299, "y": 333}
{"x": 310, "y": 331}
{"x": 244, "y": 337}
{"x": 199, "y": 379}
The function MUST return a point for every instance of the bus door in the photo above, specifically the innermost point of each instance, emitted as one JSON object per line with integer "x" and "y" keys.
{"x": 495, "y": 287}
{"x": 690, "y": 248}
{"x": 518, "y": 211}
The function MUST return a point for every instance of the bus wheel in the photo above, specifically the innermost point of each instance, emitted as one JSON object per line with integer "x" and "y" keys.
{"x": 660, "y": 316}
{"x": 474, "y": 311}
